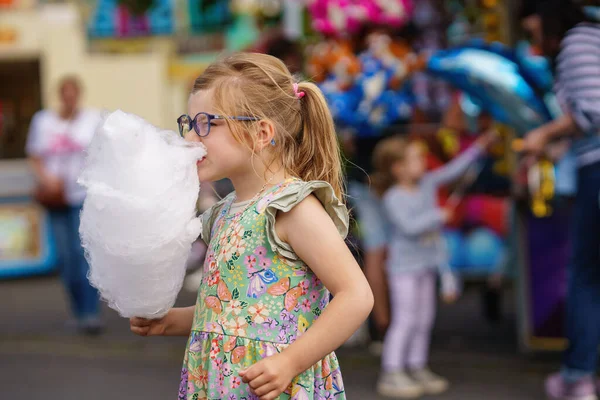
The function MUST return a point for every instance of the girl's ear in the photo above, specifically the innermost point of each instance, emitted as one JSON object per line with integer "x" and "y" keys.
{"x": 265, "y": 134}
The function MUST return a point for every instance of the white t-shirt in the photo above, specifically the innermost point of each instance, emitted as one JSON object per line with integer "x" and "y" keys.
{"x": 61, "y": 145}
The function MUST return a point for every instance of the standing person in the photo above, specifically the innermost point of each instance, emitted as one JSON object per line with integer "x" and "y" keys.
{"x": 415, "y": 252}
{"x": 263, "y": 326}
{"x": 374, "y": 233}
{"x": 578, "y": 90}
{"x": 56, "y": 149}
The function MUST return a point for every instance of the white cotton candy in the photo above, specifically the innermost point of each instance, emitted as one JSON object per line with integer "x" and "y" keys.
{"x": 139, "y": 217}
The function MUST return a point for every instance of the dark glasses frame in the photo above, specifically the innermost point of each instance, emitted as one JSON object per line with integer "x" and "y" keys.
{"x": 185, "y": 119}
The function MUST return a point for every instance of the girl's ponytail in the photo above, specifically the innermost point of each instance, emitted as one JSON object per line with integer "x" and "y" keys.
{"x": 317, "y": 155}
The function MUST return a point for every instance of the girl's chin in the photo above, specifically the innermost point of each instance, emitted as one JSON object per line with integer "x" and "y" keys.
{"x": 205, "y": 175}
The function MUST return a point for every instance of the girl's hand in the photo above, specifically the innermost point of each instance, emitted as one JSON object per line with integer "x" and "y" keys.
{"x": 450, "y": 298}
{"x": 177, "y": 322}
{"x": 487, "y": 138}
{"x": 448, "y": 213}
{"x": 148, "y": 327}
{"x": 269, "y": 377}
{"x": 450, "y": 287}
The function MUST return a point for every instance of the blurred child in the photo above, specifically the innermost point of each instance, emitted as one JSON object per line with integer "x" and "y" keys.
{"x": 415, "y": 253}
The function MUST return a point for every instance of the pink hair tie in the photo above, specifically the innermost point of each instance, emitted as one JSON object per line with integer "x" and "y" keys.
{"x": 298, "y": 94}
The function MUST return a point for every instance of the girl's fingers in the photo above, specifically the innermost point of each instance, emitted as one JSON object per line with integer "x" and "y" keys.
{"x": 265, "y": 389}
{"x": 142, "y": 331}
{"x": 248, "y": 375}
{"x": 271, "y": 395}
{"x": 259, "y": 381}
{"x": 135, "y": 321}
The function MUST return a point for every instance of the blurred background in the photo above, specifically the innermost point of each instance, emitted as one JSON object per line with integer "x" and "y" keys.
{"x": 438, "y": 71}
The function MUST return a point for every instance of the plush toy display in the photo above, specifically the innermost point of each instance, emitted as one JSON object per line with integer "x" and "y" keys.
{"x": 366, "y": 92}
{"x": 343, "y": 17}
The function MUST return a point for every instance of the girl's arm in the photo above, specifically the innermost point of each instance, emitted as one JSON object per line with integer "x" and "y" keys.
{"x": 455, "y": 168}
{"x": 315, "y": 239}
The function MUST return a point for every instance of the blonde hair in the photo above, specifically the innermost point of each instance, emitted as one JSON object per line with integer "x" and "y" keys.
{"x": 259, "y": 85}
{"x": 387, "y": 152}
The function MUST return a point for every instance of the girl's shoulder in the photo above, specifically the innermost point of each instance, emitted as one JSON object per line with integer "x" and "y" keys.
{"x": 209, "y": 217}
{"x": 290, "y": 196}
{"x": 296, "y": 190}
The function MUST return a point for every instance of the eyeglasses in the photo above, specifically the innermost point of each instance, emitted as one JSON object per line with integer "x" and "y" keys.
{"x": 201, "y": 122}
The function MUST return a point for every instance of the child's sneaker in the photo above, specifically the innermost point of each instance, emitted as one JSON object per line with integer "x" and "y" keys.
{"x": 559, "y": 389}
{"x": 431, "y": 383}
{"x": 376, "y": 348}
{"x": 399, "y": 385}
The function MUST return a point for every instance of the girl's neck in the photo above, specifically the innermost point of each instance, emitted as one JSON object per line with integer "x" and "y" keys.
{"x": 409, "y": 184}
{"x": 249, "y": 184}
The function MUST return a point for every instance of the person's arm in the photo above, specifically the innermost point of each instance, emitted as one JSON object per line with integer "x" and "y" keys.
{"x": 455, "y": 168}
{"x": 34, "y": 150}
{"x": 411, "y": 224}
{"x": 577, "y": 87}
{"x": 536, "y": 140}
{"x": 563, "y": 126}
{"x": 369, "y": 211}
{"x": 315, "y": 239}
{"x": 376, "y": 276}
{"x": 38, "y": 169}
{"x": 578, "y": 83}
{"x": 177, "y": 322}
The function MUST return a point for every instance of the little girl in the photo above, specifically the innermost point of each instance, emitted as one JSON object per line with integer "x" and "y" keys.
{"x": 415, "y": 251}
{"x": 262, "y": 327}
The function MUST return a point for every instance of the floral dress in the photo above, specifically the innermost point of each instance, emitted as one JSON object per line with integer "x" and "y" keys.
{"x": 256, "y": 298}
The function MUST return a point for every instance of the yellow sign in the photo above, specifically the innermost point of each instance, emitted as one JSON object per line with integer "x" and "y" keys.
{"x": 19, "y": 226}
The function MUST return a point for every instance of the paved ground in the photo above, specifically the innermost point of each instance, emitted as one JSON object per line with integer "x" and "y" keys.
{"x": 41, "y": 359}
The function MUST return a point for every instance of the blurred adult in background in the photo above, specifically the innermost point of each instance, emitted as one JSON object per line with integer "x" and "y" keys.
{"x": 571, "y": 37}
{"x": 56, "y": 148}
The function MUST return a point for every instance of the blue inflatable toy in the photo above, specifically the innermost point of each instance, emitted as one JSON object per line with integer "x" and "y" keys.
{"x": 455, "y": 244}
{"x": 493, "y": 77}
{"x": 484, "y": 250}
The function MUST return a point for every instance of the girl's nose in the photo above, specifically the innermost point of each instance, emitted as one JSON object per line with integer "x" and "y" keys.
{"x": 192, "y": 137}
